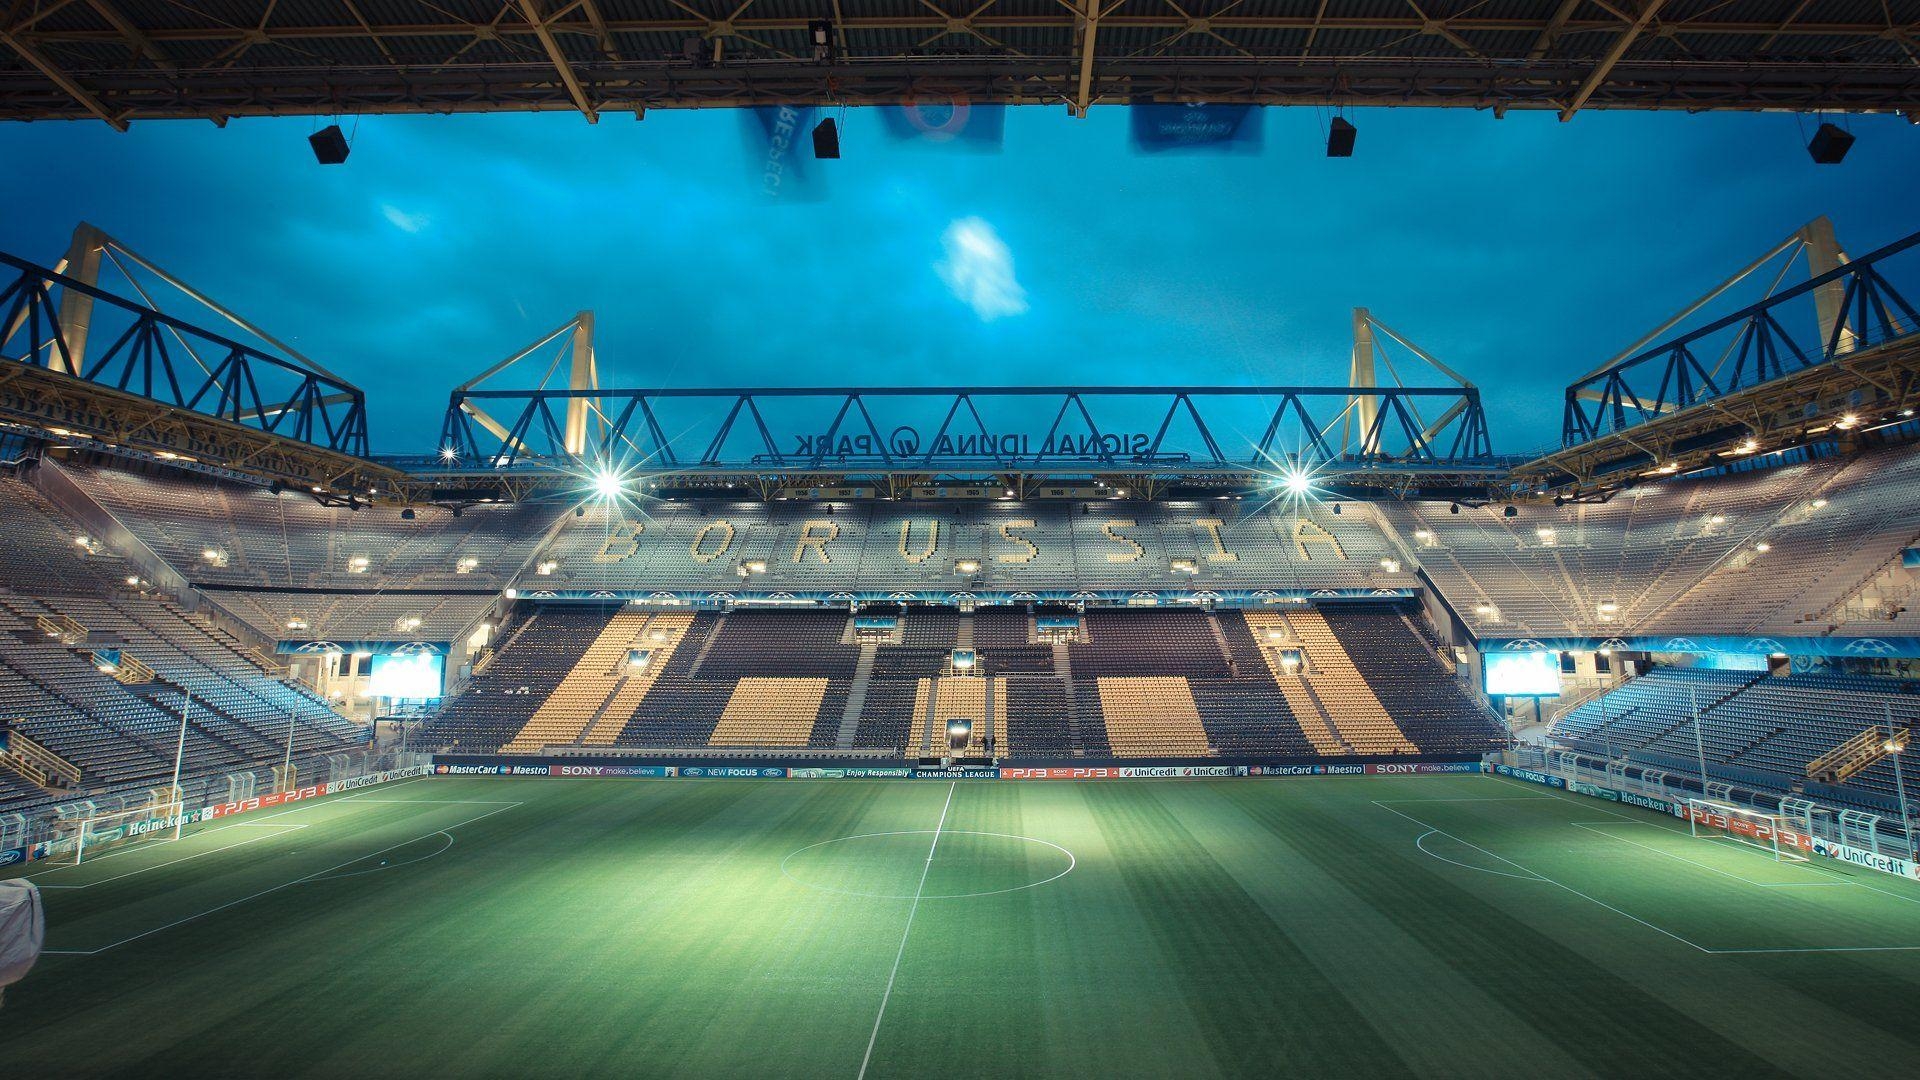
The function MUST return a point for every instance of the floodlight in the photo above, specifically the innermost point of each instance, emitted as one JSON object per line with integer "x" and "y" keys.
{"x": 1298, "y": 483}
{"x": 606, "y": 484}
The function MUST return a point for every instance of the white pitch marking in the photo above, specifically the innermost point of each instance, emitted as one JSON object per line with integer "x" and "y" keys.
{"x": 902, "y": 951}
{"x": 1809, "y": 867}
{"x": 1072, "y": 861}
{"x": 441, "y": 850}
{"x": 1817, "y": 949}
{"x": 440, "y": 802}
{"x": 1590, "y": 826}
{"x": 1420, "y": 843}
{"x": 1481, "y": 798}
{"x": 170, "y": 862}
{"x": 266, "y": 892}
{"x": 1547, "y": 880}
{"x": 303, "y": 804}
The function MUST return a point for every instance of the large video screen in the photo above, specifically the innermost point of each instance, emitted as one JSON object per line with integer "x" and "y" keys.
{"x": 1523, "y": 674}
{"x": 413, "y": 675}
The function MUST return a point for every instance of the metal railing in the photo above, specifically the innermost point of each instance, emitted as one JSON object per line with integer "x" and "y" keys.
{"x": 28, "y": 826}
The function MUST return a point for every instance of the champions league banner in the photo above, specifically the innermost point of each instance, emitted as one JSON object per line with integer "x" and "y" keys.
{"x": 1207, "y": 129}
{"x": 948, "y": 121}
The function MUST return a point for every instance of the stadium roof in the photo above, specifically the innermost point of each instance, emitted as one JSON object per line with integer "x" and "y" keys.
{"x": 125, "y": 60}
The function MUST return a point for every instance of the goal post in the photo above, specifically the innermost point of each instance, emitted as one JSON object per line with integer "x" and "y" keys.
{"x": 1770, "y": 834}
{"x": 81, "y": 838}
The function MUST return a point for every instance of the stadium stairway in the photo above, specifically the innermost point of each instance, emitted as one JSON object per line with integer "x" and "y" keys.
{"x": 856, "y": 699}
{"x": 1300, "y": 698}
{"x": 564, "y": 715}
{"x": 951, "y": 697}
{"x": 1357, "y": 714}
{"x": 662, "y": 635}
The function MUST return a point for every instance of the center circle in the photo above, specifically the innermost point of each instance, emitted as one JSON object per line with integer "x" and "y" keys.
{"x": 895, "y": 865}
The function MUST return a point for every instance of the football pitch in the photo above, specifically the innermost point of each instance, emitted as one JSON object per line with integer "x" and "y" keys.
{"x": 1348, "y": 927}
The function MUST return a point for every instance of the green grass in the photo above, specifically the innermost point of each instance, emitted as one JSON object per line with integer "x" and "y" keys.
{"x": 1364, "y": 927}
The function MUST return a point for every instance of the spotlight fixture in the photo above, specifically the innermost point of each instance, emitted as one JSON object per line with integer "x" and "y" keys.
{"x": 826, "y": 140}
{"x": 1340, "y": 135}
{"x": 1829, "y": 145}
{"x": 330, "y": 145}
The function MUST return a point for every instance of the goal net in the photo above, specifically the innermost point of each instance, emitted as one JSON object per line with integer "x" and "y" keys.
{"x": 1767, "y": 833}
{"x": 79, "y": 839}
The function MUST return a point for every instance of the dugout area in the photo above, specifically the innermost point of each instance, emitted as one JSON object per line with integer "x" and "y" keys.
{"x": 1360, "y": 926}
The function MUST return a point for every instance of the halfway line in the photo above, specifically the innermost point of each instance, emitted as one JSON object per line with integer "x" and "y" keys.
{"x": 902, "y": 951}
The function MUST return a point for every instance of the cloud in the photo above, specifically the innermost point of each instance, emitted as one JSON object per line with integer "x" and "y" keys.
{"x": 404, "y": 221}
{"x": 979, "y": 269}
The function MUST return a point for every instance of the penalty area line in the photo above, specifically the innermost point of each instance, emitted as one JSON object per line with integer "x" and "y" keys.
{"x": 313, "y": 877}
{"x": 169, "y": 862}
{"x": 1547, "y": 880}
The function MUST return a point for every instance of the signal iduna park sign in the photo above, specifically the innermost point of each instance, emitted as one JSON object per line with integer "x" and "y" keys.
{"x": 905, "y": 442}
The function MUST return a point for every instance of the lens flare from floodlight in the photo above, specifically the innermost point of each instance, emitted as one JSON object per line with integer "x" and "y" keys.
{"x": 607, "y": 485}
{"x": 1297, "y": 483}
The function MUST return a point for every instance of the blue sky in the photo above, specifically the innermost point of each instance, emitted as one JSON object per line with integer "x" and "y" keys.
{"x": 1520, "y": 251}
